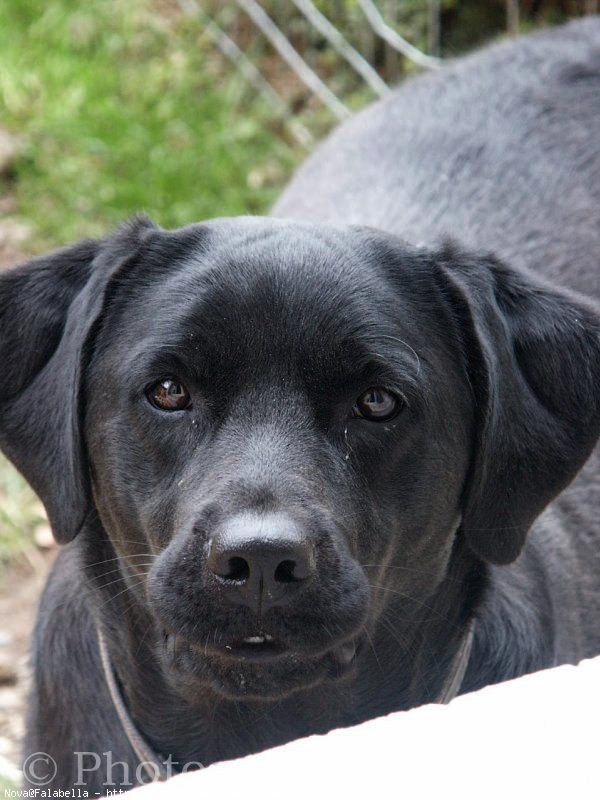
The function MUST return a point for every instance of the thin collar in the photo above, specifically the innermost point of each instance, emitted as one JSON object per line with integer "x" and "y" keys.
{"x": 460, "y": 662}
{"x": 153, "y": 765}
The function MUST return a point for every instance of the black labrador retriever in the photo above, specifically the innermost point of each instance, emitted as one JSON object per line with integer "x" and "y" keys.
{"x": 294, "y": 463}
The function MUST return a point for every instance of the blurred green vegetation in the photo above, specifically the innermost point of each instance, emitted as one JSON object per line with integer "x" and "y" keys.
{"x": 20, "y": 513}
{"x": 7, "y": 785}
{"x": 126, "y": 108}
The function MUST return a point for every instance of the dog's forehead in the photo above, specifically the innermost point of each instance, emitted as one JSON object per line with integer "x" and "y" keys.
{"x": 267, "y": 295}
{"x": 296, "y": 259}
{"x": 274, "y": 280}
{"x": 280, "y": 273}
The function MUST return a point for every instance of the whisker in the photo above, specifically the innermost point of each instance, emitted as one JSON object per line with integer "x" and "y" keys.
{"x": 412, "y": 599}
{"x": 412, "y": 350}
{"x": 143, "y": 638}
{"x": 411, "y": 569}
{"x": 483, "y": 530}
{"x": 327, "y": 631}
{"x": 129, "y": 541}
{"x": 126, "y": 589}
{"x": 409, "y": 649}
{"x": 118, "y": 558}
{"x": 119, "y": 569}
{"x": 370, "y": 640}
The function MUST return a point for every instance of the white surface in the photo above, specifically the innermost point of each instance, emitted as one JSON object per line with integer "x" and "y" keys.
{"x": 536, "y": 737}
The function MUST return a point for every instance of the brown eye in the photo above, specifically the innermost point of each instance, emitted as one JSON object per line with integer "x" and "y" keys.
{"x": 169, "y": 395}
{"x": 377, "y": 404}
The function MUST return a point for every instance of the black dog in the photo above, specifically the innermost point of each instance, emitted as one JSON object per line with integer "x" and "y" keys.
{"x": 298, "y": 458}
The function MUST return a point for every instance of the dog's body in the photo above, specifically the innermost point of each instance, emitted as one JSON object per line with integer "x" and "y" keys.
{"x": 501, "y": 152}
{"x": 496, "y": 151}
{"x": 383, "y": 528}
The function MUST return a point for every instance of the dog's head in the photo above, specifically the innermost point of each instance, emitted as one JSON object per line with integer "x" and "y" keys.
{"x": 284, "y": 427}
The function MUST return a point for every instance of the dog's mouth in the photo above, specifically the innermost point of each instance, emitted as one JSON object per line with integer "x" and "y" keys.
{"x": 259, "y": 647}
{"x": 256, "y": 647}
{"x": 263, "y": 646}
{"x": 259, "y": 665}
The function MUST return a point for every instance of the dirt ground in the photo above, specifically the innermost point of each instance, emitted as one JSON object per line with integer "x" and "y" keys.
{"x": 20, "y": 588}
{"x": 21, "y": 583}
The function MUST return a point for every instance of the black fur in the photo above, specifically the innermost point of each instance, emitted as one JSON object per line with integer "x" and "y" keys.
{"x": 276, "y": 327}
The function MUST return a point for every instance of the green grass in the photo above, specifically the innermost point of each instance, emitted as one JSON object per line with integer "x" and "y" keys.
{"x": 20, "y": 513}
{"x": 7, "y": 786}
{"x": 124, "y": 109}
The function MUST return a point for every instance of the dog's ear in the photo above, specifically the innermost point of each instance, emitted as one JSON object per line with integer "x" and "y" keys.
{"x": 532, "y": 353}
{"x": 48, "y": 310}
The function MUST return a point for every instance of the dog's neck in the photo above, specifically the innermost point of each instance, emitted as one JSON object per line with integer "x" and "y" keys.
{"x": 153, "y": 762}
{"x": 392, "y": 674}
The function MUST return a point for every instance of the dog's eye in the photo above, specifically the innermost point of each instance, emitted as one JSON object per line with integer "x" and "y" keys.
{"x": 169, "y": 395}
{"x": 377, "y": 404}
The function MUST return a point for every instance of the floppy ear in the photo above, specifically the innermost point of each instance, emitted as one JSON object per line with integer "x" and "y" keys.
{"x": 533, "y": 358}
{"x": 48, "y": 308}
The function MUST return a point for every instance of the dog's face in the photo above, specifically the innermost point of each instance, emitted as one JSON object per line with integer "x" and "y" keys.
{"x": 278, "y": 423}
{"x": 283, "y": 427}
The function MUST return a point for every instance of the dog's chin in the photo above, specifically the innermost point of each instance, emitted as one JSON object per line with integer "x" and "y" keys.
{"x": 254, "y": 672}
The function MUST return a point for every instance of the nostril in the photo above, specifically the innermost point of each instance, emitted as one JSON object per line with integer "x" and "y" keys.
{"x": 285, "y": 572}
{"x": 238, "y": 570}
{"x": 260, "y": 560}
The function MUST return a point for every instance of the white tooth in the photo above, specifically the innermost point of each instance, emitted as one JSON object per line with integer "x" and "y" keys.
{"x": 268, "y": 638}
{"x": 254, "y": 639}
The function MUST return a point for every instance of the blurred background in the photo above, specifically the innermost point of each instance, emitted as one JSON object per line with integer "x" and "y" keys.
{"x": 184, "y": 109}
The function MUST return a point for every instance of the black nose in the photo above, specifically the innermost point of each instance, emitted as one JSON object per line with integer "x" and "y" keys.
{"x": 261, "y": 560}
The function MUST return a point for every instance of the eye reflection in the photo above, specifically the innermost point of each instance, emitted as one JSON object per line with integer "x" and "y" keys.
{"x": 169, "y": 395}
{"x": 377, "y": 405}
